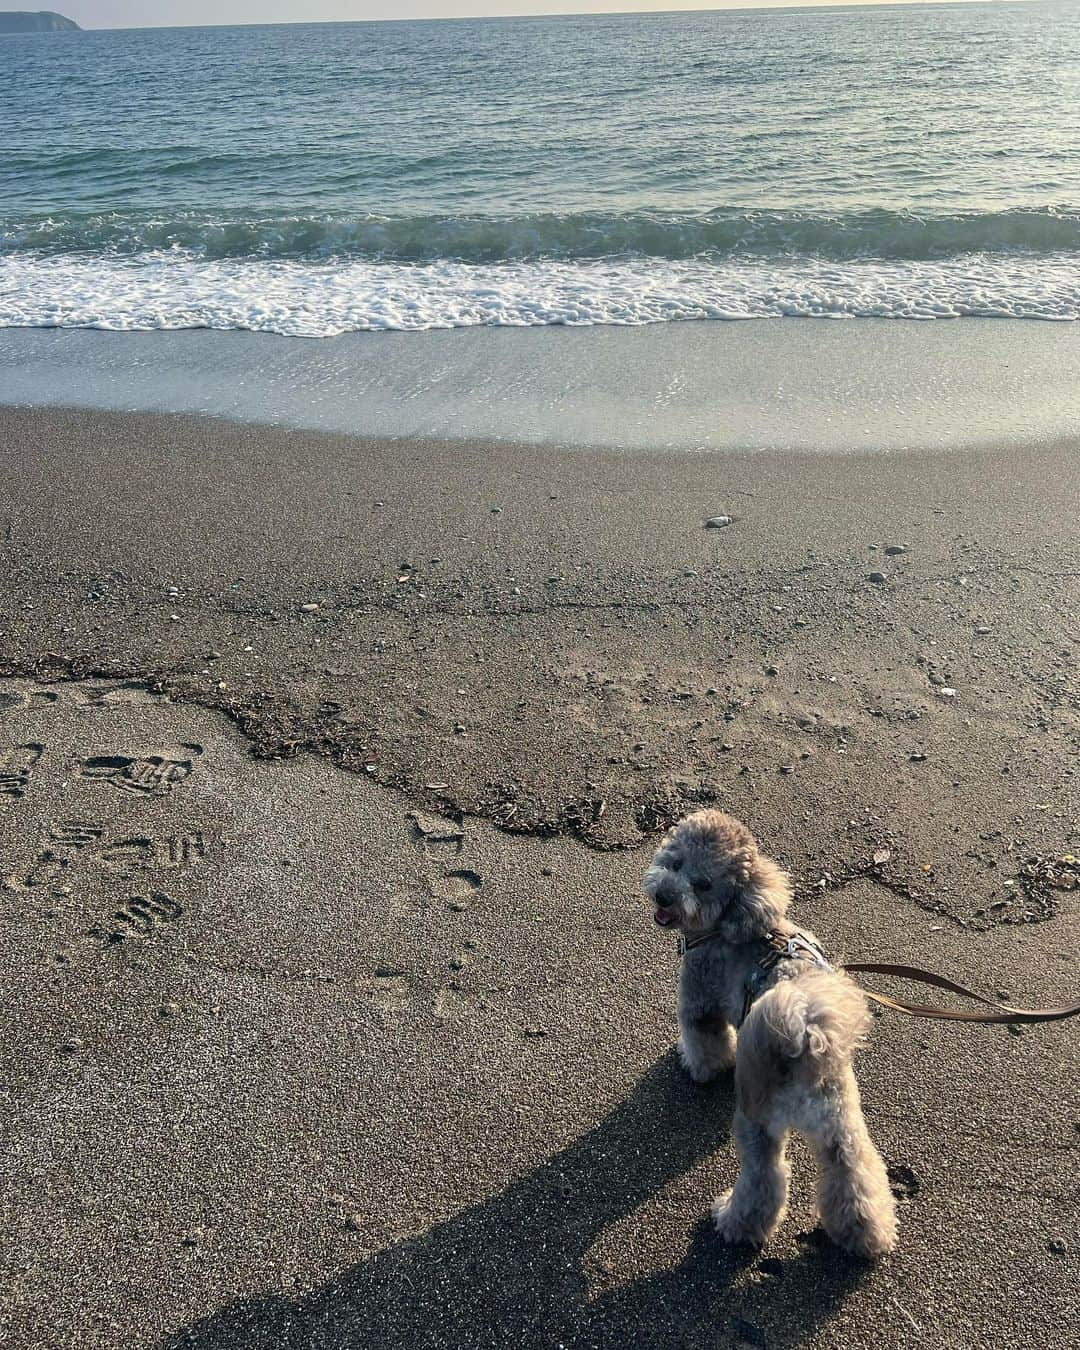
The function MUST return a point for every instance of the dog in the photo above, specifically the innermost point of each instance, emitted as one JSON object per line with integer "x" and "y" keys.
{"x": 757, "y": 995}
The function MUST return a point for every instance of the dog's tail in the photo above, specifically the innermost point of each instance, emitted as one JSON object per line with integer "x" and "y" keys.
{"x": 818, "y": 1018}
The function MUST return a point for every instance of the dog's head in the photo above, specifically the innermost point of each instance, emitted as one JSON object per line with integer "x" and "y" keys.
{"x": 708, "y": 876}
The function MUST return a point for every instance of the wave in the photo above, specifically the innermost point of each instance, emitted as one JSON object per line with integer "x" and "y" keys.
{"x": 163, "y": 291}
{"x": 480, "y": 239}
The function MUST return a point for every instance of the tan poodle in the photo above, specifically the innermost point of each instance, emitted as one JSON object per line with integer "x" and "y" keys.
{"x": 756, "y": 994}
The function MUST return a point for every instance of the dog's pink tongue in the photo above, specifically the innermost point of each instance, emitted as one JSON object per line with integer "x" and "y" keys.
{"x": 664, "y": 917}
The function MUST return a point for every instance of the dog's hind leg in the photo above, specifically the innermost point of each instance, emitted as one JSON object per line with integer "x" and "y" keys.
{"x": 755, "y": 1205}
{"x": 856, "y": 1205}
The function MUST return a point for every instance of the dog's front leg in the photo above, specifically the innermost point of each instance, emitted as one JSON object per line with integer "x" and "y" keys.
{"x": 706, "y": 1042}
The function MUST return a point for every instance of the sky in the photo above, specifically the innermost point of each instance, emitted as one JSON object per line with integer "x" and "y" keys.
{"x": 144, "y": 13}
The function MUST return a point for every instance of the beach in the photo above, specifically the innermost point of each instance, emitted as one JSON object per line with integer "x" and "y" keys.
{"x": 337, "y": 1017}
{"x": 435, "y": 457}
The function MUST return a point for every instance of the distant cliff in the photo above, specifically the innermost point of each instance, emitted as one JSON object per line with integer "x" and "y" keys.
{"x": 44, "y": 21}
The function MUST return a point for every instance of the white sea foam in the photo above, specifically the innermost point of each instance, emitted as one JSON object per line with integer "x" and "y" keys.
{"x": 173, "y": 290}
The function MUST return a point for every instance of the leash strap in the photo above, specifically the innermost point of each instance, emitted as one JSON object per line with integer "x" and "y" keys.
{"x": 1004, "y": 1012}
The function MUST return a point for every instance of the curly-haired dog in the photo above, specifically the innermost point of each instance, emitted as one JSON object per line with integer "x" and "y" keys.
{"x": 746, "y": 968}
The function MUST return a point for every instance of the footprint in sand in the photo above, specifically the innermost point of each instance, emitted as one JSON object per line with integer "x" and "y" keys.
{"x": 435, "y": 836}
{"x": 17, "y": 764}
{"x": 154, "y": 776}
{"x": 459, "y": 889}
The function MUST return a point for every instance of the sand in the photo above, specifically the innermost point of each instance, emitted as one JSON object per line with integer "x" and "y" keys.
{"x": 334, "y": 1017}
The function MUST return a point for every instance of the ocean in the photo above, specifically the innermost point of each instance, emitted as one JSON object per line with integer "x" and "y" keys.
{"x": 909, "y": 162}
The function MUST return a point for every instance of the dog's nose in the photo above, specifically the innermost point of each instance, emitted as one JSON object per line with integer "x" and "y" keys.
{"x": 665, "y": 896}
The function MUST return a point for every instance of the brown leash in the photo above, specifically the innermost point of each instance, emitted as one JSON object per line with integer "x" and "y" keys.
{"x": 1004, "y": 1012}
{"x": 797, "y": 946}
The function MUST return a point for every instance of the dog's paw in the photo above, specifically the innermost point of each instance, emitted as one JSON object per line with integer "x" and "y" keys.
{"x": 698, "y": 1070}
{"x": 736, "y": 1226}
{"x": 702, "y": 1063}
{"x": 868, "y": 1239}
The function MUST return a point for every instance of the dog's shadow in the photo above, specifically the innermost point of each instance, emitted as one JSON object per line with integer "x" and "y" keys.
{"x": 510, "y": 1271}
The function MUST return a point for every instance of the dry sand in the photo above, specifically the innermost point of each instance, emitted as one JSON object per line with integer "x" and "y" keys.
{"x": 303, "y": 1050}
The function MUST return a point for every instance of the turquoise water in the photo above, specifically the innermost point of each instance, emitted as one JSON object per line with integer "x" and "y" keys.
{"x": 312, "y": 180}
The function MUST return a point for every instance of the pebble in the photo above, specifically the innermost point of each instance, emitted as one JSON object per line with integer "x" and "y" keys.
{"x": 917, "y": 756}
{"x": 310, "y": 608}
{"x": 459, "y": 729}
{"x": 169, "y": 1010}
{"x": 894, "y": 550}
{"x": 496, "y": 510}
{"x": 72, "y": 1047}
{"x": 534, "y": 1032}
{"x": 946, "y": 692}
{"x": 982, "y": 629}
{"x": 718, "y": 522}
{"x": 1058, "y": 1246}
{"x": 772, "y": 670}
{"x": 879, "y": 578}
{"x": 354, "y": 1222}
{"x": 787, "y": 768}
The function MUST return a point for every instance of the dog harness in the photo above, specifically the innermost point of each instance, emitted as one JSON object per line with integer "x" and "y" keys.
{"x": 795, "y": 946}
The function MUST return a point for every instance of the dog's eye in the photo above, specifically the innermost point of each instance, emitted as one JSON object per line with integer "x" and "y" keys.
{"x": 702, "y": 884}
{"x": 675, "y": 865}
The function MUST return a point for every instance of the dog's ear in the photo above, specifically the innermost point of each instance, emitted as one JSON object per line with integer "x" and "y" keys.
{"x": 760, "y": 899}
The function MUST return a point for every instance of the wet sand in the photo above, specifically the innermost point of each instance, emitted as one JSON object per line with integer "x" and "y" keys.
{"x": 335, "y": 1018}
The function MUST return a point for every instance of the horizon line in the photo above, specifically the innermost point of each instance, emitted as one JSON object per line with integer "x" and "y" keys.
{"x": 814, "y": 6}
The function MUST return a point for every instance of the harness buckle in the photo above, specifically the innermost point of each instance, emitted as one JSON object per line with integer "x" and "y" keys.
{"x": 798, "y": 943}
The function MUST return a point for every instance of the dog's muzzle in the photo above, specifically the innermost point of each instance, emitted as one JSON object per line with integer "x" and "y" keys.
{"x": 665, "y": 913}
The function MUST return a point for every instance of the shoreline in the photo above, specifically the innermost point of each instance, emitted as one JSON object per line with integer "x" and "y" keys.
{"x": 801, "y": 385}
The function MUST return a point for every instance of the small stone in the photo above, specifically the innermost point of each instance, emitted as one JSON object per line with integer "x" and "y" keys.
{"x": 982, "y": 629}
{"x": 169, "y": 1010}
{"x": 71, "y": 1047}
{"x": 496, "y": 510}
{"x": 354, "y": 1222}
{"x": 917, "y": 756}
{"x": 882, "y": 855}
{"x": 547, "y": 871}
{"x": 535, "y": 1032}
{"x": 772, "y": 670}
{"x": 894, "y": 550}
{"x": 190, "y": 1240}
{"x": 457, "y": 964}
{"x": 946, "y": 692}
{"x": 174, "y": 618}
{"x": 1058, "y": 1246}
{"x": 726, "y": 746}
{"x": 878, "y": 578}
{"x": 718, "y": 522}
{"x": 712, "y": 691}
{"x": 787, "y": 768}
{"x": 459, "y": 728}
{"x": 310, "y": 608}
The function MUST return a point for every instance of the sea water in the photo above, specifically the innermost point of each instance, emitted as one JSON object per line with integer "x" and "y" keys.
{"x": 313, "y": 180}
